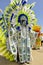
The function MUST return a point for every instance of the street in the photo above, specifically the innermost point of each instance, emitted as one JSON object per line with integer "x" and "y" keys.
{"x": 37, "y": 59}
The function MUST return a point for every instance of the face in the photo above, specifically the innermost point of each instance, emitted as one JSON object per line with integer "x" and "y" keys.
{"x": 23, "y": 19}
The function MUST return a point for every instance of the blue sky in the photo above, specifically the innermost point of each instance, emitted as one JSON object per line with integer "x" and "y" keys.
{"x": 38, "y": 9}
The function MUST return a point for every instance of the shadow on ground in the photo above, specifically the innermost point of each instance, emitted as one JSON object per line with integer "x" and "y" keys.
{"x": 3, "y": 61}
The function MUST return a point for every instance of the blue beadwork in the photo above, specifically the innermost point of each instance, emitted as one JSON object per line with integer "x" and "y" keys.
{"x": 11, "y": 17}
{"x": 18, "y": 28}
{"x": 24, "y": 2}
{"x": 29, "y": 28}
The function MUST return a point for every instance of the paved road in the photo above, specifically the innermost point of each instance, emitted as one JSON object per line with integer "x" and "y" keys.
{"x": 37, "y": 59}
